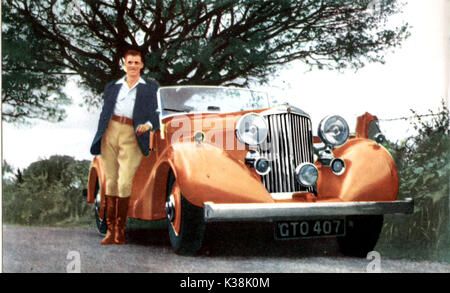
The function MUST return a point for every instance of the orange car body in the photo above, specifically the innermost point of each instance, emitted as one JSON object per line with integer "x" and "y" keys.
{"x": 206, "y": 172}
{"x": 225, "y": 154}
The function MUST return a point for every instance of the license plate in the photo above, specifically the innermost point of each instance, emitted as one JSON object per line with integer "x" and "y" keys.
{"x": 309, "y": 229}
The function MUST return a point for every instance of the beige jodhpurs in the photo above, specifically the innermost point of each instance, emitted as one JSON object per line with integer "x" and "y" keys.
{"x": 121, "y": 157}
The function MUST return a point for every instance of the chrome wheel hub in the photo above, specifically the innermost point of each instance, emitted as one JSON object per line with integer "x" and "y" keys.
{"x": 170, "y": 208}
{"x": 97, "y": 201}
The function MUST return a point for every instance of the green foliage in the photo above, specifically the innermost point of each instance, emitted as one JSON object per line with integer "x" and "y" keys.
{"x": 6, "y": 169}
{"x": 31, "y": 86}
{"x": 423, "y": 162}
{"x": 50, "y": 193}
{"x": 209, "y": 42}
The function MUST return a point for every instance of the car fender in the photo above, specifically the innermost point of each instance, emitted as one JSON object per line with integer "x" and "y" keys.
{"x": 206, "y": 172}
{"x": 370, "y": 175}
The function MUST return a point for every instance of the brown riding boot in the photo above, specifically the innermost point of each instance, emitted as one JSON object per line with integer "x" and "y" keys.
{"x": 121, "y": 220}
{"x": 110, "y": 219}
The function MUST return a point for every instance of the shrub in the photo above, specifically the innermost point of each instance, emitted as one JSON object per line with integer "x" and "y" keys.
{"x": 48, "y": 193}
{"x": 423, "y": 162}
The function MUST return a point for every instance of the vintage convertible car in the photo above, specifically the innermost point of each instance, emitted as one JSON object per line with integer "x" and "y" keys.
{"x": 226, "y": 154}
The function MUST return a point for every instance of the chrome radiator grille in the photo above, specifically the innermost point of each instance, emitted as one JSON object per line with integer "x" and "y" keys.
{"x": 288, "y": 144}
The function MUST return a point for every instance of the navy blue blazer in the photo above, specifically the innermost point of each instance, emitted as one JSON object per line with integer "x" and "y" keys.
{"x": 145, "y": 109}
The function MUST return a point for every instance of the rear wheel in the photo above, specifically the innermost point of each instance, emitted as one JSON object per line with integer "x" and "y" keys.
{"x": 185, "y": 221}
{"x": 362, "y": 234}
{"x": 100, "y": 220}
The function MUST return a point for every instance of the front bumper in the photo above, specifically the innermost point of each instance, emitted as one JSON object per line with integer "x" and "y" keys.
{"x": 267, "y": 212}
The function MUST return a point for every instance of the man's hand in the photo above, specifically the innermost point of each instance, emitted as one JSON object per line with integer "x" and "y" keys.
{"x": 143, "y": 128}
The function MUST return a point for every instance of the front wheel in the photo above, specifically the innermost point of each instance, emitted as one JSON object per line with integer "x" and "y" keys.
{"x": 362, "y": 234}
{"x": 185, "y": 221}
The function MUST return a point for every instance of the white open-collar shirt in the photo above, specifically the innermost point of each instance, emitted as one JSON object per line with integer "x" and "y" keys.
{"x": 126, "y": 98}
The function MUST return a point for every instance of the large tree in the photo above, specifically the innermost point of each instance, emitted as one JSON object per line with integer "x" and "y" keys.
{"x": 199, "y": 42}
{"x": 31, "y": 82}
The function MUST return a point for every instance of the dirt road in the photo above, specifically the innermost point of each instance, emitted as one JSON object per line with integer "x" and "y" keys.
{"x": 250, "y": 249}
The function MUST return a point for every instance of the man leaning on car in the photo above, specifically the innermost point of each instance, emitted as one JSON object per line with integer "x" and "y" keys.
{"x": 128, "y": 115}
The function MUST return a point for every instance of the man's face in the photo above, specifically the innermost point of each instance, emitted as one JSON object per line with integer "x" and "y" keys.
{"x": 133, "y": 65}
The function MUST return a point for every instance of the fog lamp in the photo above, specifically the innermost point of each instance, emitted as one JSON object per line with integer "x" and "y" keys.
{"x": 337, "y": 166}
{"x": 262, "y": 166}
{"x": 306, "y": 174}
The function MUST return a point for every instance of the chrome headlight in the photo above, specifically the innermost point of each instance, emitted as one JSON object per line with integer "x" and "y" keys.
{"x": 333, "y": 130}
{"x": 307, "y": 174}
{"x": 251, "y": 129}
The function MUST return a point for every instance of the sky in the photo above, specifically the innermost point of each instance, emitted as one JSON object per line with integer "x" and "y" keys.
{"x": 415, "y": 76}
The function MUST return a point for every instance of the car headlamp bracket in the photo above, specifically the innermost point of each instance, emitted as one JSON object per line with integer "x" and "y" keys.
{"x": 326, "y": 157}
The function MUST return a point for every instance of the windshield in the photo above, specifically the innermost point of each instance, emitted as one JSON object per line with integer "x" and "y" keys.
{"x": 191, "y": 99}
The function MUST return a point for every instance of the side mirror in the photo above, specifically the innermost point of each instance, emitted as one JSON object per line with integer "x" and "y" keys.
{"x": 375, "y": 132}
{"x": 379, "y": 138}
